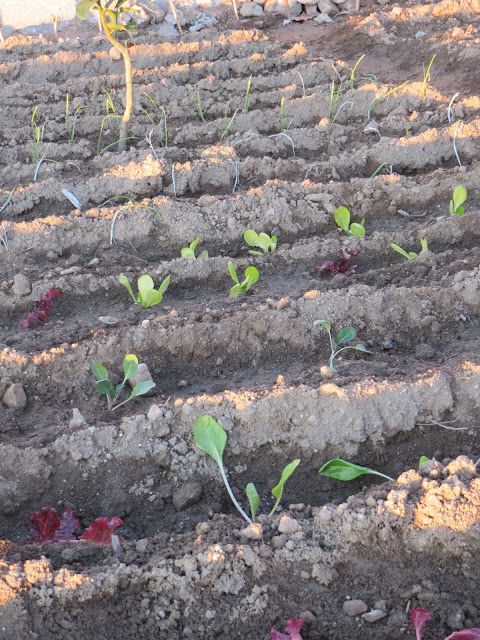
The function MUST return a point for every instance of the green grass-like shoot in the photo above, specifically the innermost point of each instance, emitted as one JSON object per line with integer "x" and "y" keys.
{"x": 426, "y": 77}
{"x": 228, "y": 123}
{"x": 352, "y": 75}
{"x": 285, "y": 124}
{"x": 159, "y": 121}
{"x": 71, "y": 121}
{"x": 246, "y": 102}
{"x": 384, "y": 96}
{"x": 197, "y": 103}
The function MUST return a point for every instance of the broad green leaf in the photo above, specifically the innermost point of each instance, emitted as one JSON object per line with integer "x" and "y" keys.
{"x": 422, "y": 461}
{"x": 251, "y": 275}
{"x": 345, "y": 335}
{"x": 458, "y": 211}
{"x": 342, "y": 218}
{"x": 83, "y": 7}
{"x": 273, "y": 240}
{"x": 278, "y": 490}
{"x": 118, "y": 388}
{"x": 236, "y": 290}
{"x": 251, "y": 238}
{"x": 99, "y": 371}
{"x": 187, "y": 253}
{"x": 203, "y": 255}
{"x": 253, "y": 498}
{"x": 210, "y": 437}
{"x": 399, "y": 250}
{"x": 126, "y": 283}
{"x": 264, "y": 241}
{"x": 110, "y": 14}
{"x": 130, "y": 366}
{"x": 424, "y": 244}
{"x": 255, "y": 253}
{"x": 233, "y": 273}
{"x": 141, "y": 388}
{"x": 116, "y": 27}
{"x": 357, "y": 230}
{"x": 145, "y": 285}
{"x": 459, "y": 196}
{"x": 193, "y": 246}
{"x": 164, "y": 286}
{"x": 326, "y": 325}
{"x": 105, "y": 388}
{"x": 346, "y": 471}
{"x": 360, "y": 347}
{"x": 153, "y": 298}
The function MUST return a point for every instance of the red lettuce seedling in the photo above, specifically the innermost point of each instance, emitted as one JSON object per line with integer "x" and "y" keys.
{"x": 342, "y": 265}
{"x": 419, "y": 618}
{"x": 292, "y": 628}
{"x": 46, "y": 526}
{"x": 101, "y": 530}
{"x": 466, "y": 634}
{"x": 40, "y": 309}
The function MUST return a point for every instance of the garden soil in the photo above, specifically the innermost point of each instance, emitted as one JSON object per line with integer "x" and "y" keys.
{"x": 188, "y": 566}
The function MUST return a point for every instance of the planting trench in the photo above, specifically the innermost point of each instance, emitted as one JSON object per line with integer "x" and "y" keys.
{"x": 188, "y": 567}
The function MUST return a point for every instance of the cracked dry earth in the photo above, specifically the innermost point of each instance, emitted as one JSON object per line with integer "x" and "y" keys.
{"x": 255, "y": 362}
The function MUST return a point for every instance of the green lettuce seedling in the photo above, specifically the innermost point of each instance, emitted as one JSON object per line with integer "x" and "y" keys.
{"x": 459, "y": 197}
{"x": 422, "y": 461}
{"x": 261, "y": 240}
{"x": 411, "y": 254}
{"x": 346, "y": 471}
{"x": 148, "y": 296}
{"x": 344, "y": 335}
{"x": 251, "y": 276}
{"x": 189, "y": 252}
{"x": 253, "y": 499}
{"x": 342, "y": 218}
{"x": 106, "y": 388}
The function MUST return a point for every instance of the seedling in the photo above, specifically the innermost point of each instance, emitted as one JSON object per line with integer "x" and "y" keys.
{"x": 459, "y": 197}
{"x": 352, "y": 75}
{"x": 47, "y": 527}
{"x": 332, "y": 105}
{"x": 422, "y": 461}
{"x": 70, "y": 123}
{"x": 384, "y": 96}
{"x": 148, "y": 296}
{"x": 159, "y": 121}
{"x": 197, "y": 103}
{"x": 344, "y": 335}
{"x": 426, "y": 77}
{"x": 304, "y": 92}
{"x": 411, "y": 254}
{"x": 251, "y": 276}
{"x": 292, "y": 629}
{"x": 8, "y": 200}
{"x": 110, "y": 24}
{"x": 211, "y": 438}
{"x": 342, "y": 265}
{"x": 189, "y": 252}
{"x": 284, "y": 123}
{"x": 227, "y": 122}
{"x": 37, "y": 134}
{"x": 346, "y": 471}
{"x": 342, "y": 218}
{"x": 247, "y": 95}
{"x": 41, "y": 309}
{"x": 261, "y": 240}
{"x": 420, "y": 617}
{"x": 106, "y": 388}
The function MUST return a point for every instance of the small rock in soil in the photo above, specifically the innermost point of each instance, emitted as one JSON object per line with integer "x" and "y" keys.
{"x": 278, "y": 541}
{"x": 15, "y": 397}
{"x": 187, "y": 495}
{"x": 250, "y": 10}
{"x": 424, "y": 352}
{"x": 111, "y": 321}
{"x": 77, "y": 419}
{"x": 142, "y": 375}
{"x": 354, "y": 607}
{"x": 373, "y": 615}
{"x": 142, "y": 545}
{"x": 328, "y": 7}
{"x": 21, "y": 285}
{"x": 288, "y": 525}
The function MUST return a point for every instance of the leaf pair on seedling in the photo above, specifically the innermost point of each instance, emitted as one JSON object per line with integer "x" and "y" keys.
{"x": 106, "y": 388}
{"x": 148, "y": 296}
{"x": 344, "y": 335}
{"x": 265, "y": 242}
{"x": 342, "y": 218}
{"x": 410, "y": 254}
{"x": 459, "y": 197}
{"x": 342, "y": 470}
{"x": 211, "y": 437}
{"x": 189, "y": 252}
{"x": 251, "y": 276}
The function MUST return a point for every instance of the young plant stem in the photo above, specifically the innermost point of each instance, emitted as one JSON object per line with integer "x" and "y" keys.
{"x": 175, "y": 15}
{"x": 230, "y": 493}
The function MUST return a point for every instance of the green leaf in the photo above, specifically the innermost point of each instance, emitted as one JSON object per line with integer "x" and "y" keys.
{"x": 141, "y": 388}
{"x": 193, "y": 246}
{"x": 187, "y": 253}
{"x": 253, "y": 498}
{"x": 342, "y": 218}
{"x": 236, "y": 290}
{"x": 116, "y": 27}
{"x": 118, "y": 388}
{"x": 399, "y": 250}
{"x": 233, "y": 273}
{"x": 345, "y": 335}
{"x": 326, "y": 325}
{"x": 105, "y": 388}
{"x": 153, "y": 298}
{"x": 459, "y": 196}
{"x": 264, "y": 241}
{"x": 278, "y": 490}
{"x": 255, "y": 253}
{"x": 251, "y": 238}
{"x": 357, "y": 230}
{"x": 83, "y": 7}
{"x": 99, "y": 371}
{"x": 346, "y": 471}
{"x": 164, "y": 286}
{"x": 251, "y": 276}
{"x": 145, "y": 286}
{"x": 424, "y": 244}
{"x": 210, "y": 437}
{"x": 422, "y": 461}
{"x": 203, "y": 255}
{"x": 360, "y": 347}
{"x": 458, "y": 211}
{"x": 273, "y": 242}
{"x": 130, "y": 366}
{"x": 126, "y": 283}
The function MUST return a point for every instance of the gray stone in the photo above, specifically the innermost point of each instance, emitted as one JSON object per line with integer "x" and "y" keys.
{"x": 187, "y": 495}
{"x": 327, "y": 7}
{"x": 348, "y": 5}
{"x": 250, "y": 10}
{"x": 323, "y": 19}
{"x": 21, "y": 285}
{"x": 15, "y": 397}
{"x": 278, "y": 541}
{"x": 373, "y": 615}
{"x": 142, "y": 375}
{"x": 278, "y": 6}
{"x": 166, "y": 30}
{"x": 354, "y": 607}
{"x": 424, "y": 352}
{"x": 311, "y": 9}
{"x": 142, "y": 545}
{"x": 77, "y": 419}
{"x": 109, "y": 320}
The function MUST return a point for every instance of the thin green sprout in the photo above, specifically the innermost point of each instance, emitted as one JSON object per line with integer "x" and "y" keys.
{"x": 227, "y": 123}
{"x": 384, "y": 97}
{"x": 284, "y": 124}
{"x": 162, "y": 118}
{"x": 247, "y": 95}
{"x": 426, "y": 76}
{"x": 197, "y": 103}
{"x": 71, "y": 130}
{"x": 304, "y": 93}
{"x": 388, "y": 167}
{"x": 9, "y": 199}
{"x": 352, "y": 75}
{"x": 112, "y": 144}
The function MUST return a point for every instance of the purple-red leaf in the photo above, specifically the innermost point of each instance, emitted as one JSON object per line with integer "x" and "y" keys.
{"x": 68, "y": 526}
{"x": 40, "y": 309}
{"x": 342, "y": 265}
{"x": 292, "y": 628}
{"x": 101, "y": 530}
{"x": 466, "y": 634}
{"x": 44, "y": 525}
{"x": 419, "y": 618}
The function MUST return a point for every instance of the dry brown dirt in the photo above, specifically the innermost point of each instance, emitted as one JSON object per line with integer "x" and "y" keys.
{"x": 255, "y": 362}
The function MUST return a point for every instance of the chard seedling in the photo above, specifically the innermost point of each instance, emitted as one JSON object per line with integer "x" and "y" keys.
{"x": 189, "y": 252}
{"x": 411, "y": 254}
{"x": 426, "y": 77}
{"x": 109, "y": 19}
{"x": 342, "y": 218}
{"x": 346, "y": 471}
{"x": 459, "y": 197}
{"x": 251, "y": 276}
{"x": 197, "y": 103}
{"x": 253, "y": 499}
{"x": 106, "y": 388}
{"x": 277, "y": 491}
{"x": 344, "y": 335}
{"x": 266, "y": 243}
{"x": 70, "y": 123}
{"x": 148, "y": 296}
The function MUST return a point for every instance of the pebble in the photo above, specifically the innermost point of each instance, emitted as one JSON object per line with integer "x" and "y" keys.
{"x": 188, "y": 495}
{"x": 15, "y": 397}
{"x": 424, "y": 352}
{"x": 288, "y": 525}
{"x": 354, "y": 607}
{"x": 109, "y": 320}
{"x": 77, "y": 419}
{"x": 373, "y": 615}
{"x": 250, "y": 10}
{"x": 141, "y": 545}
{"x": 154, "y": 413}
{"x": 21, "y": 285}
{"x": 328, "y": 7}
{"x": 278, "y": 542}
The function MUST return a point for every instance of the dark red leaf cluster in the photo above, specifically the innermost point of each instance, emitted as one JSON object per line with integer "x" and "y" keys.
{"x": 46, "y": 526}
{"x": 342, "y": 265}
{"x": 420, "y": 617}
{"x": 293, "y": 629}
{"x": 41, "y": 307}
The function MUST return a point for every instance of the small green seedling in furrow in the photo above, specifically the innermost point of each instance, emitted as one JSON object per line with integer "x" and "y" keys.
{"x": 459, "y": 197}
{"x": 352, "y": 74}
{"x": 148, "y": 296}
{"x": 247, "y": 95}
{"x": 159, "y": 121}
{"x": 422, "y": 461}
{"x": 71, "y": 121}
{"x": 342, "y": 470}
{"x": 386, "y": 95}
{"x": 426, "y": 77}
{"x": 261, "y": 240}
{"x": 197, "y": 103}
{"x": 189, "y": 252}
{"x": 106, "y": 388}
{"x": 37, "y": 134}
{"x": 342, "y": 218}
{"x": 251, "y": 276}
{"x": 227, "y": 123}
{"x": 285, "y": 124}
{"x": 211, "y": 438}
{"x": 411, "y": 254}
{"x": 344, "y": 335}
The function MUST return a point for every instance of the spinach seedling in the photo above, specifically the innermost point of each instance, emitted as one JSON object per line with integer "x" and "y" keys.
{"x": 261, "y": 240}
{"x": 342, "y": 218}
{"x": 148, "y": 296}
{"x": 106, "y": 388}
{"x": 344, "y": 335}
{"x": 411, "y": 254}
{"x": 251, "y": 276}
{"x": 346, "y": 471}
{"x": 459, "y": 197}
{"x": 189, "y": 252}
